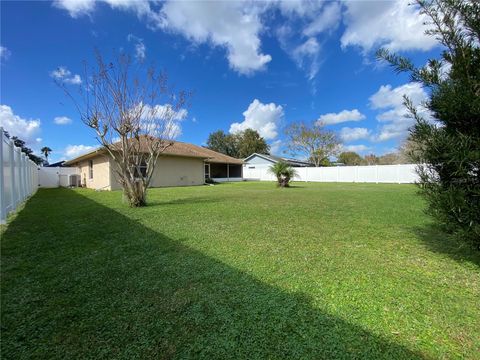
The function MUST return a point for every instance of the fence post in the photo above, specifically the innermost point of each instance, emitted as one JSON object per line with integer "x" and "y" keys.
{"x": 398, "y": 173}
{"x": 12, "y": 174}
{"x": 338, "y": 173}
{"x": 24, "y": 177}
{"x": 3, "y": 210}
{"x": 19, "y": 178}
{"x": 376, "y": 174}
{"x": 29, "y": 175}
{"x": 23, "y": 185}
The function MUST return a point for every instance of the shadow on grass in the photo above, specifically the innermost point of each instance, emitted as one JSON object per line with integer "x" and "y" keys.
{"x": 440, "y": 242}
{"x": 80, "y": 280}
{"x": 183, "y": 201}
{"x": 295, "y": 186}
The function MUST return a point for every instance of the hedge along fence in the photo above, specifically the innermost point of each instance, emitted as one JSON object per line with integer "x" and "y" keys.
{"x": 18, "y": 177}
{"x": 401, "y": 174}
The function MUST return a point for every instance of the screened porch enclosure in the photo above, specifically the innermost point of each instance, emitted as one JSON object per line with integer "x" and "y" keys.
{"x": 222, "y": 171}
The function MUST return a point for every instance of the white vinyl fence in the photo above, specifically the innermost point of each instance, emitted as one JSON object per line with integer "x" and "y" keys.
{"x": 18, "y": 177}
{"x": 401, "y": 174}
{"x": 53, "y": 177}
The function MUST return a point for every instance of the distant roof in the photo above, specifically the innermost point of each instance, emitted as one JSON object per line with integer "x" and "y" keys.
{"x": 293, "y": 162}
{"x": 56, "y": 164}
{"x": 177, "y": 148}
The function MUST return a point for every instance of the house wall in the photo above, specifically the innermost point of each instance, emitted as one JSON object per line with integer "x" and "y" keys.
{"x": 178, "y": 171}
{"x": 256, "y": 163}
{"x": 101, "y": 173}
{"x": 257, "y": 160}
{"x": 172, "y": 171}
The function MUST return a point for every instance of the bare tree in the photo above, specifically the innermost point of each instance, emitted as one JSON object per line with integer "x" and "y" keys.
{"x": 371, "y": 159}
{"x": 317, "y": 143}
{"x": 134, "y": 114}
{"x": 410, "y": 151}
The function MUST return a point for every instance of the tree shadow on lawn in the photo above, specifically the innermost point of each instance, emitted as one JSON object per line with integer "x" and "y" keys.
{"x": 80, "y": 280}
{"x": 440, "y": 242}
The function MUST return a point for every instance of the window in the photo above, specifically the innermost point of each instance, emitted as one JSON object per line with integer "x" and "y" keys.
{"x": 90, "y": 169}
{"x": 143, "y": 170}
{"x": 207, "y": 171}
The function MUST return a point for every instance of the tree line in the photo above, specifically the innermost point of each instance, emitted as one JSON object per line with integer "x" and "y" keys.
{"x": 317, "y": 144}
{"x": 314, "y": 142}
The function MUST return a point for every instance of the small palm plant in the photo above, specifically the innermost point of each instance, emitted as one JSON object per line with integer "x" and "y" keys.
{"x": 283, "y": 172}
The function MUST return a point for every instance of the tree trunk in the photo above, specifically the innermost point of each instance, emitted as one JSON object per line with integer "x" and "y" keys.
{"x": 135, "y": 193}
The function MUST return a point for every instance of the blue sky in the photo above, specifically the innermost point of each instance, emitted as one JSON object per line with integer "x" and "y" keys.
{"x": 249, "y": 64}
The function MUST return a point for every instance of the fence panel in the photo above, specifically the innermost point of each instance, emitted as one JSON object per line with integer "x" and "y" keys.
{"x": 18, "y": 177}
{"x": 52, "y": 177}
{"x": 402, "y": 174}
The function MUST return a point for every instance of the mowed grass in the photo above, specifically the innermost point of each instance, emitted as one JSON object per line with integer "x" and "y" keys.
{"x": 236, "y": 271}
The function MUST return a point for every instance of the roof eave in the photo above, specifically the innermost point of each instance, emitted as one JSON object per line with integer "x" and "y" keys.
{"x": 84, "y": 156}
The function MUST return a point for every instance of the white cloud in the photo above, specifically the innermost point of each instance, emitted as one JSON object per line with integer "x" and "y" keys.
{"x": 62, "y": 120}
{"x": 327, "y": 20}
{"x": 390, "y": 100}
{"x": 165, "y": 112}
{"x": 171, "y": 127}
{"x": 25, "y": 129}
{"x": 175, "y": 131}
{"x": 306, "y": 56}
{"x": 264, "y": 118}
{"x": 388, "y": 97}
{"x": 395, "y": 25}
{"x": 342, "y": 116}
{"x": 233, "y": 25}
{"x": 230, "y": 24}
{"x": 4, "y": 53}
{"x": 356, "y": 148}
{"x": 72, "y": 151}
{"x": 76, "y": 8}
{"x": 300, "y": 34}
{"x": 351, "y": 134}
{"x": 298, "y": 8}
{"x": 140, "y": 48}
{"x": 64, "y": 75}
{"x": 394, "y": 130}
{"x": 275, "y": 147}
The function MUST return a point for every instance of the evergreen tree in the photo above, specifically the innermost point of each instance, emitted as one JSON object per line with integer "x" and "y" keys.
{"x": 450, "y": 147}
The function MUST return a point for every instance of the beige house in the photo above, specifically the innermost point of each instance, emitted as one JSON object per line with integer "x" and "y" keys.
{"x": 181, "y": 164}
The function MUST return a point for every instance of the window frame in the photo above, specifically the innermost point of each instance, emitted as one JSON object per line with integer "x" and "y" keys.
{"x": 90, "y": 169}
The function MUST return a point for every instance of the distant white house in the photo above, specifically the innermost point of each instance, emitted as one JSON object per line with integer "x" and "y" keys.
{"x": 262, "y": 161}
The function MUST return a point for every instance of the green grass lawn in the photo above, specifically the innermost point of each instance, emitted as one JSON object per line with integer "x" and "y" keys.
{"x": 240, "y": 271}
